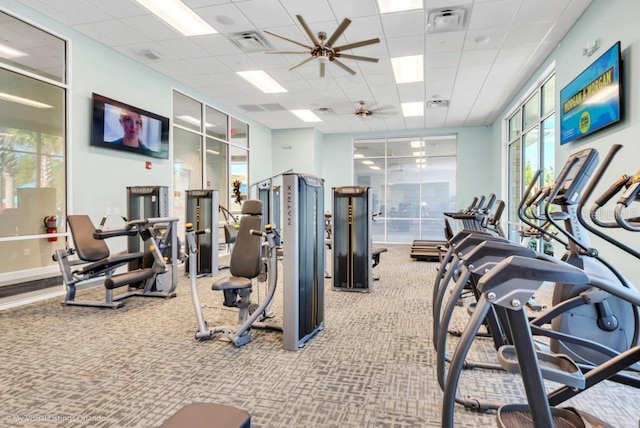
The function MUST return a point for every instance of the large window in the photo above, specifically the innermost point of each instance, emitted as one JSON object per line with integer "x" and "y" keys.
{"x": 200, "y": 129}
{"x": 531, "y": 146}
{"x": 412, "y": 181}
{"x": 32, "y": 149}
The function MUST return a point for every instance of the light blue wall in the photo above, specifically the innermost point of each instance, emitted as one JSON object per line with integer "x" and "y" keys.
{"x": 297, "y": 150}
{"x": 609, "y": 21}
{"x": 98, "y": 177}
{"x": 478, "y": 168}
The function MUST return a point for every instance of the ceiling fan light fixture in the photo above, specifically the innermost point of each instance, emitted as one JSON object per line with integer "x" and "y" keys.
{"x": 179, "y": 16}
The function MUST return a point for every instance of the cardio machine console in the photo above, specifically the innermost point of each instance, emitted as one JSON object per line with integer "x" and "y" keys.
{"x": 577, "y": 170}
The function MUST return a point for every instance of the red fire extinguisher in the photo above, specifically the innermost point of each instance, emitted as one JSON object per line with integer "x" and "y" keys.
{"x": 51, "y": 226}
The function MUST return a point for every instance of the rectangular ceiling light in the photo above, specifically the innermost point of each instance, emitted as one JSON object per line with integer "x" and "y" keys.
{"x": 23, "y": 101}
{"x": 8, "y": 52}
{"x": 262, "y": 81}
{"x": 306, "y": 115}
{"x": 413, "y": 109}
{"x": 407, "y": 69}
{"x": 179, "y": 16}
{"x": 388, "y": 6}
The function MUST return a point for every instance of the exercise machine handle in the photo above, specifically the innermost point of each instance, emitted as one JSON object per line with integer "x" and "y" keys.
{"x": 612, "y": 190}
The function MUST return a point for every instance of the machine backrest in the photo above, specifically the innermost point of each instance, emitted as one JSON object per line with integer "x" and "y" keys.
{"x": 89, "y": 249}
{"x": 246, "y": 253}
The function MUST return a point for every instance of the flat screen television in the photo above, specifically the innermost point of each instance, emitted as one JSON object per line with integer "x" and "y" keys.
{"x": 592, "y": 100}
{"x": 119, "y": 126}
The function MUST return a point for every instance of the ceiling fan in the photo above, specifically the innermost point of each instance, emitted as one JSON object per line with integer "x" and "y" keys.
{"x": 322, "y": 48}
{"x": 362, "y": 111}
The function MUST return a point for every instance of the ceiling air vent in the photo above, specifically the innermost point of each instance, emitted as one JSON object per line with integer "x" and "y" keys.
{"x": 250, "y": 41}
{"x": 447, "y": 19}
{"x": 438, "y": 104}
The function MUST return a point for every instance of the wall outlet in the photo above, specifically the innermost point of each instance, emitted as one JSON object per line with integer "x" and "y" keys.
{"x": 27, "y": 252}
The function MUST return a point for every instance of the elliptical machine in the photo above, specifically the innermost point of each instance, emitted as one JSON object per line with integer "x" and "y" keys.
{"x": 510, "y": 282}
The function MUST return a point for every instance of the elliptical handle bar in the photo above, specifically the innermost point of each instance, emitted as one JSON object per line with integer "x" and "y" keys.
{"x": 525, "y": 196}
{"x": 603, "y": 199}
{"x": 542, "y": 230}
{"x": 592, "y": 184}
{"x": 630, "y": 195}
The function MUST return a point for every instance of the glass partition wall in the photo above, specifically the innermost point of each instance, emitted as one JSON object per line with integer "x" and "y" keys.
{"x": 413, "y": 181}
{"x": 210, "y": 151}
{"x": 33, "y": 116}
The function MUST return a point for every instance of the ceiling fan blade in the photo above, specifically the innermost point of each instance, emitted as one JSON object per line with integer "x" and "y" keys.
{"x": 288, "y": 52}
{"x": 312, "y": 36}
{"x": 322, "y": 68}
{"x": 357, "y": 57}
{"x": 301, "y": 63}
{"x": 343, "y": 26}
{"x": 357, "y": 44}
{"x": 343, "y": 66}
{"x": 288, "y": 39}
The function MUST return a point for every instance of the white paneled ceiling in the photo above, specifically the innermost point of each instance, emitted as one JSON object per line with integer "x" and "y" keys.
{"x": 477, "y": 69}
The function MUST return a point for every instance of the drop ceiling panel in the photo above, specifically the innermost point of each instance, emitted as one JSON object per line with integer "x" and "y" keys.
{"x": 404, "y": 46}
{"x": 318, "y": 10}
{"x": 520, "y": 53}
{"x": 444, "y": 42}
{"x": 217, "y": 45}
{"x": 493, "y": 14}
{"x": 386, "y": 95}
{"x": 265, "y": 13}
{"x": 151, "y": 27}
{"x": 113, "y": 33}
{"x": 441, "y": 74}
{"x": 225, "y": 18}
{"x": 411, "y": 92}
{"x": 441, "y": 60}
{"x": 440, "y": 90}
{"x": 207, "y": 65}
{"x": 70, "y": 12}
{"x": 478, "y": 57}
{"x": 119, "y": 8}
{"x": 202, "y": 3}
{"x": 527, "y": 34}
{"x": 238, "y": 62}
{"x": 353, "y": 8}
{"x": 135, "y": 51}
{"x": 169, "y": 68}
{"x": 402, "y": 24}
{"x": 378, "y": 79}
{"x": 474, "y": 73}
{"x": 183, "y": 48}
{"x": 438, "y": 4}
{"x": 475, "y": 38}
{"x": 532, "y": 11}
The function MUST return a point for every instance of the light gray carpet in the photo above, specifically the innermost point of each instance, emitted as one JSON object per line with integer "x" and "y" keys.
{"x": 372, "y": 366}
